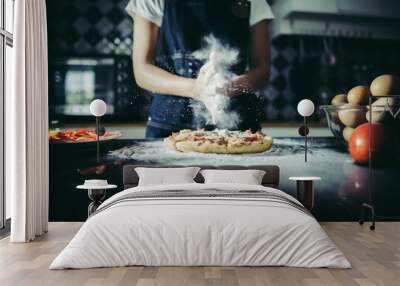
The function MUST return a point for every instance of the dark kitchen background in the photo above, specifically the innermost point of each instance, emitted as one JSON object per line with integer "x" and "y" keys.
{"x": 316, "y": 54}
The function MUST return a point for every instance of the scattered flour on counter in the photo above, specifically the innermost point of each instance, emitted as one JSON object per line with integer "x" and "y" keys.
{"x": 284, "y": 151}
{"x": 219, "y": 59}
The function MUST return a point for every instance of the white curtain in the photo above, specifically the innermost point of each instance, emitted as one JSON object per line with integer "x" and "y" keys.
{"x": 27, "y": 124}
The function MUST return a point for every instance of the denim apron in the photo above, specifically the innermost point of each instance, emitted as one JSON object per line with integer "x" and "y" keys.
{"x": 185, "y": 24}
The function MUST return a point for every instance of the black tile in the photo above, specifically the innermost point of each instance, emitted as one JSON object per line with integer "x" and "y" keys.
{"x": 104, "y": 26}
{"x": 116, "y": 15}
{"x": 104, "y": 6}
{"x": 69, "y": 13}
{"x": 93, "y": 37}
{"x": 280, "y": 62}
{"x": 279, "y": 83}
{"x": 94, "y": 15}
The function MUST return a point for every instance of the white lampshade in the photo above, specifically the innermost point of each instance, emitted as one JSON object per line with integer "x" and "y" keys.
{"x": 305, "y": 107}
{"x": 98, "y": 107}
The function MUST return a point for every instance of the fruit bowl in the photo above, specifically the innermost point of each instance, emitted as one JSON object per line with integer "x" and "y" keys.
{"x": 353, "y": 123}
{"x": 337, "y": 115}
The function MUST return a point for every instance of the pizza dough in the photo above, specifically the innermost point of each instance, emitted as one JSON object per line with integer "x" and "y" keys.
{"x": 219, "y": 141}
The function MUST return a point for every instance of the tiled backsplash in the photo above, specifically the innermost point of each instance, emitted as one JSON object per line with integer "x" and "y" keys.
{"x": 319, "y": 68}
{"x": 301, "y": 67}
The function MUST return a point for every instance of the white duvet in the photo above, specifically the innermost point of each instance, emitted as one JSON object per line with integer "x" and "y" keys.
{"x": 200, "y": 231}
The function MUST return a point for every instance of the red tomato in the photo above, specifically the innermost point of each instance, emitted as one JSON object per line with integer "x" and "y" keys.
{"x": 382, "y": 142}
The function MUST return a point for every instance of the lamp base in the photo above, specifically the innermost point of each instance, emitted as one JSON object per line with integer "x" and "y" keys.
{"x": 96, "y": 196}
{"x": 373, "y": 218}
{"x": 303, "y": 131}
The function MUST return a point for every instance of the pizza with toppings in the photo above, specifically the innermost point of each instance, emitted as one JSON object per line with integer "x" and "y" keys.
{"x": 80, "y": 135}
{"x": 219, "y": 141}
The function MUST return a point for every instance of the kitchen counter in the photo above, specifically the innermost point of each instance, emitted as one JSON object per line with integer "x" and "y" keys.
{"x": 138, "y": 131}
{"x": 343, "y": 188}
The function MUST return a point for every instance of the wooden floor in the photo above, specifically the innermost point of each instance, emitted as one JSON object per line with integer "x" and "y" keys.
{"x": 375, "y": 257}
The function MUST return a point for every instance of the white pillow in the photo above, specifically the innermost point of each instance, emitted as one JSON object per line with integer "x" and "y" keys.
{"x": 248, "y": 177}
{"x": 166, "y": 176}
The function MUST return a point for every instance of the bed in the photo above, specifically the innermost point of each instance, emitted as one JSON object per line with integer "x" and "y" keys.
{"x": 197, "y": 224}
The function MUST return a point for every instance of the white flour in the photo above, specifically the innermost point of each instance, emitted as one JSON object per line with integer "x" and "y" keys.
{"x": 284, "y": 151}
{"x": 219, "y": 59}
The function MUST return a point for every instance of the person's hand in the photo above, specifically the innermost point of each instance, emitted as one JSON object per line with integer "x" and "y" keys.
{"x": 203, "y": 79}
{"x": 239, "y": 86}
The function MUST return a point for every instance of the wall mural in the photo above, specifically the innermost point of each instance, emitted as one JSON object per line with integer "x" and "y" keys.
{"x": 103, "y": 28}
{"x": 90, "y": 57}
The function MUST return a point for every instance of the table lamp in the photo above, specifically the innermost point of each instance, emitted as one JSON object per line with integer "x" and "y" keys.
{"x": 98, "y": 108}
{"x": 305, "y": 108}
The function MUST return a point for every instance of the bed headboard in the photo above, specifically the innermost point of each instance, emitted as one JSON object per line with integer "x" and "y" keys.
{"x": 271, "y": 178}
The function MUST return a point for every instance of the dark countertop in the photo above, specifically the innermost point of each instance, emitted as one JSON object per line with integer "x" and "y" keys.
{"x": 343, "y": 188}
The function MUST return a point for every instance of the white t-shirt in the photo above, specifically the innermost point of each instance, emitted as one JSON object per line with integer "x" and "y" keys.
{"x": 153, "y": 10}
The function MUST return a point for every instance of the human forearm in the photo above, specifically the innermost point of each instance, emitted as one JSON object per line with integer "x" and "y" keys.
{"x": 257, "y": 77}
{"x": 155, "y": 79}
{"x": 148, "y": 75}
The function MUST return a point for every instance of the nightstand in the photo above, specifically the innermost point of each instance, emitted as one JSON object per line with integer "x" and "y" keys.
{"x": 97, "y": 190}
{"x": 305, "y": 190}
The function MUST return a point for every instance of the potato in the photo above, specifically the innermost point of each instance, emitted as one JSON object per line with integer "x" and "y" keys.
{"x": 347, "y": 131}
{"x": 352, "y": 117}
{"x": 339, "y": 99}
{"x": 379, "y": 114}
{"x": 385, "y": 85}
{"x": 358, "y": 95}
